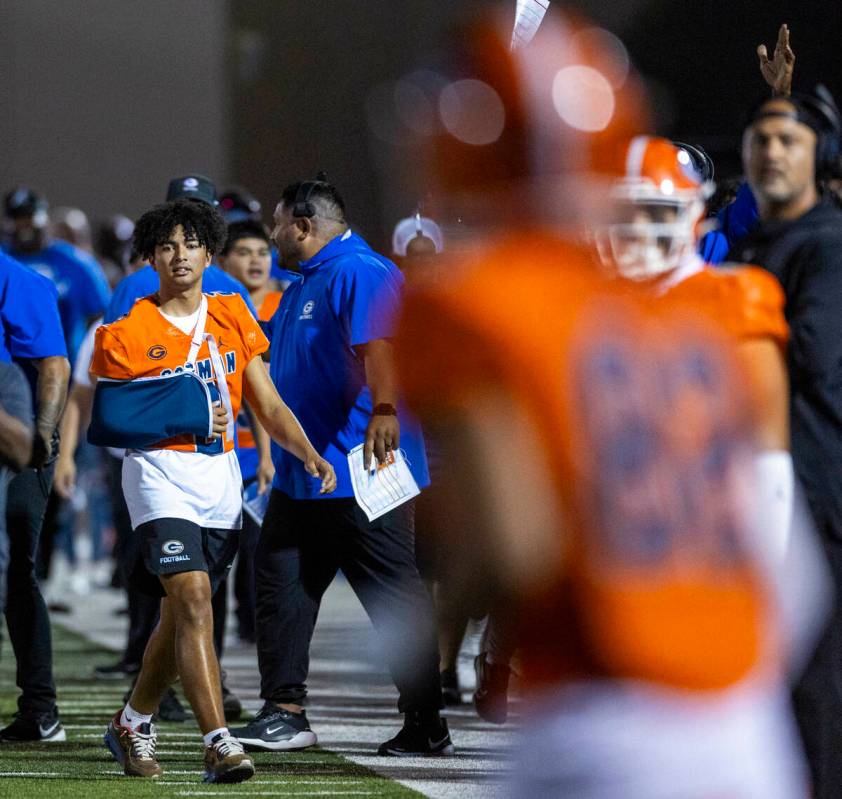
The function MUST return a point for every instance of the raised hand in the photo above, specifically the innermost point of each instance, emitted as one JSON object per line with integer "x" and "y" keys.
{"x": 777, "y": 71}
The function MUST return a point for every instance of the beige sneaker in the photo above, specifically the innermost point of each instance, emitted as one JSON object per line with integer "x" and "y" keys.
{"x": 227, "y": 761}
{"x": 134, "y": 750}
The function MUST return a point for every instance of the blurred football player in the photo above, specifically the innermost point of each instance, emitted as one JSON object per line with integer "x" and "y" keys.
{"x": 658, "y": 207}
{"x": 601, "y": 443}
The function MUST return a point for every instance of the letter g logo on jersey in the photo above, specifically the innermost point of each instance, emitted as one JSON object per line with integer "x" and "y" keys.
{"x": 156, "y": 352}
{"x": 172, "y": 547}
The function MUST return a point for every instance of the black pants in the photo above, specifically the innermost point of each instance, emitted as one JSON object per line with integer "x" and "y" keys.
{"x": 817, "y": 697}
{"x": 244, "y": 589}
{"x": 26, "y": 612}
{"x": 302, "y": 545}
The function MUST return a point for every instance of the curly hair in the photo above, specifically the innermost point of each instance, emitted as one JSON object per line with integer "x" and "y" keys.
{"x": 198, "y": 220}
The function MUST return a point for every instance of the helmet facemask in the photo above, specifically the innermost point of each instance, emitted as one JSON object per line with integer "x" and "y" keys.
{"x": 654, "y": 227}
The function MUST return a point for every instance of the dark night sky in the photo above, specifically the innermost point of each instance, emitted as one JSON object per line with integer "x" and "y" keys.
{"x": 703, "y": 54}
{"x": 305, "y": 107}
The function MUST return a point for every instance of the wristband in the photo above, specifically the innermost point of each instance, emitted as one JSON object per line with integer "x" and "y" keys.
{"x": 384, "y": 409}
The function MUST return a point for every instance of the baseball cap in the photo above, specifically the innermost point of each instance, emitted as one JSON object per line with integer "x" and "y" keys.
{"x": 238, "y": 204}
{"x": 417, "y": 225}
{"x": 23, "y": 201}
{"x": 192, "y": 187}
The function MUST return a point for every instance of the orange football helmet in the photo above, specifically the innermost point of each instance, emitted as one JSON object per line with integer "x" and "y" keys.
{"x": 658, "y": 202}
{"x": 523, "y": 131}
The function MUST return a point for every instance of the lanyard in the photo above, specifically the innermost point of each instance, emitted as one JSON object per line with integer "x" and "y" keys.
{"x": 197, "y": 338}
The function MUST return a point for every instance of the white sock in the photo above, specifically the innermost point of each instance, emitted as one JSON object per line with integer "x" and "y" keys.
{"x": 132, "y": 719}
{"x": 213, "y": 733}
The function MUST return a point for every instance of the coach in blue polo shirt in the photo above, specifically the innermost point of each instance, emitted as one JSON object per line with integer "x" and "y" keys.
{"x": 331, "y": 361}
{"x": 31, "y": 334}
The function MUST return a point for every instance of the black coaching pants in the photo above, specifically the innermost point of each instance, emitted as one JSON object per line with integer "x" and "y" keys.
{"x": 26, "y": 612}
{"x": 303, "y": 543}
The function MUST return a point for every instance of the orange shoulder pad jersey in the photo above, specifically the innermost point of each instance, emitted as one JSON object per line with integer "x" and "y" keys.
{"x": 269, "y": 305}
{"x": 745, "y": 301}
{"x": 144, "y": 344}
{"x": 645, "y": 437}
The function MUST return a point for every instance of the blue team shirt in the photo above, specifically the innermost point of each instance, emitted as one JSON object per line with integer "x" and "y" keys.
{"x": 348, "y": 295}
{"x": 30, "y": 325}
{"x": 81, "y": 285}
{"x": 145, "y": 282}
{"x": 735, "y": 220}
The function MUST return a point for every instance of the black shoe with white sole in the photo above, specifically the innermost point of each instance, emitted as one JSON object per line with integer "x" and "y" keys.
{"x": 275, "y": 730}
{"x": 45, "y": 727}
{"x": 419, "y": 739}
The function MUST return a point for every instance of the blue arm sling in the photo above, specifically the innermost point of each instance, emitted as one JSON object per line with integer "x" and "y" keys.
{"x": 134, "y": 414}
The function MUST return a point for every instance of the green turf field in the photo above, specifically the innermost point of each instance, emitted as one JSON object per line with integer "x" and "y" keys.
{"x": 82, "y": 768}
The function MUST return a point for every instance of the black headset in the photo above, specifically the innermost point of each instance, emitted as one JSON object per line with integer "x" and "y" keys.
{"x": 301, "y": 205}
{"x": 828, "y": 146}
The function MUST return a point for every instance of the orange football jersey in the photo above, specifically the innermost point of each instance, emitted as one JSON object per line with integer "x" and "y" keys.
{"x": 646, "y": 434}
{"x": 745, "y": 301}
{"x": 144, "y": 344}
{"x": 269, "y": 305}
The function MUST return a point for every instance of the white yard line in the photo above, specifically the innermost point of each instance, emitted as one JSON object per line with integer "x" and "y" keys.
{"x": 352, "y": 706}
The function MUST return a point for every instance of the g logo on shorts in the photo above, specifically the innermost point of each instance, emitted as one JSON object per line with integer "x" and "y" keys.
{"x": 172, "y": 547}
{"x": 156, "y": 352}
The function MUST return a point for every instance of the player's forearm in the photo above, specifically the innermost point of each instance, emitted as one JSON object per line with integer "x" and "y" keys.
{"x": 70, "y": 423}
{"x": 53, "y": 377}
{"x": 15, "y": 440}
{"x": 261, "y": 441}
{"x": 281, "y": 424}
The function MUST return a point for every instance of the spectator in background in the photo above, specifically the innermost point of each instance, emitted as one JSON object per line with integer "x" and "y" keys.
{"x": 82, "y": 289}
{"x": 144, "y": 281}
{"x": 72, "y": 225}
{"x": 114, "y": 248}
{"x": 332, "y": 359}
{"x": 417, "y": 241}
{"x": 246, "y": 257}
{"x": 789, "y": 145}
{"x": 417, "y": 246}
{"x": 32, "y": 335}
{"x": 238, "y": 205}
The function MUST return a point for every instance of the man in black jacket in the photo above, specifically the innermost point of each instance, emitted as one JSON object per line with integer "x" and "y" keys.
{"x": 790, "y": 145}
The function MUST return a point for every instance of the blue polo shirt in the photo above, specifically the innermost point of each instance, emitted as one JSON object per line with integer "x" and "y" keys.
{"x": 348, "y": 295}
{"x": 83, "y": 291}
{"x": 145, "y": 282}
{"x": 30, "y": 325}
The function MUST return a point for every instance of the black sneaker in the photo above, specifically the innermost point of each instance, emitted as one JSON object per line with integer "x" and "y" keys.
{"x": 419, "y": 739}
{"x": 232, "y": 707}
{"x": 170, "y": 709}
{"x": 491, "y": 698}
{"x": 275, "y": 730}
{"x": 451, "y": 694}
{"x": 44, "y": 727}
{"x": 117, "y": 671}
